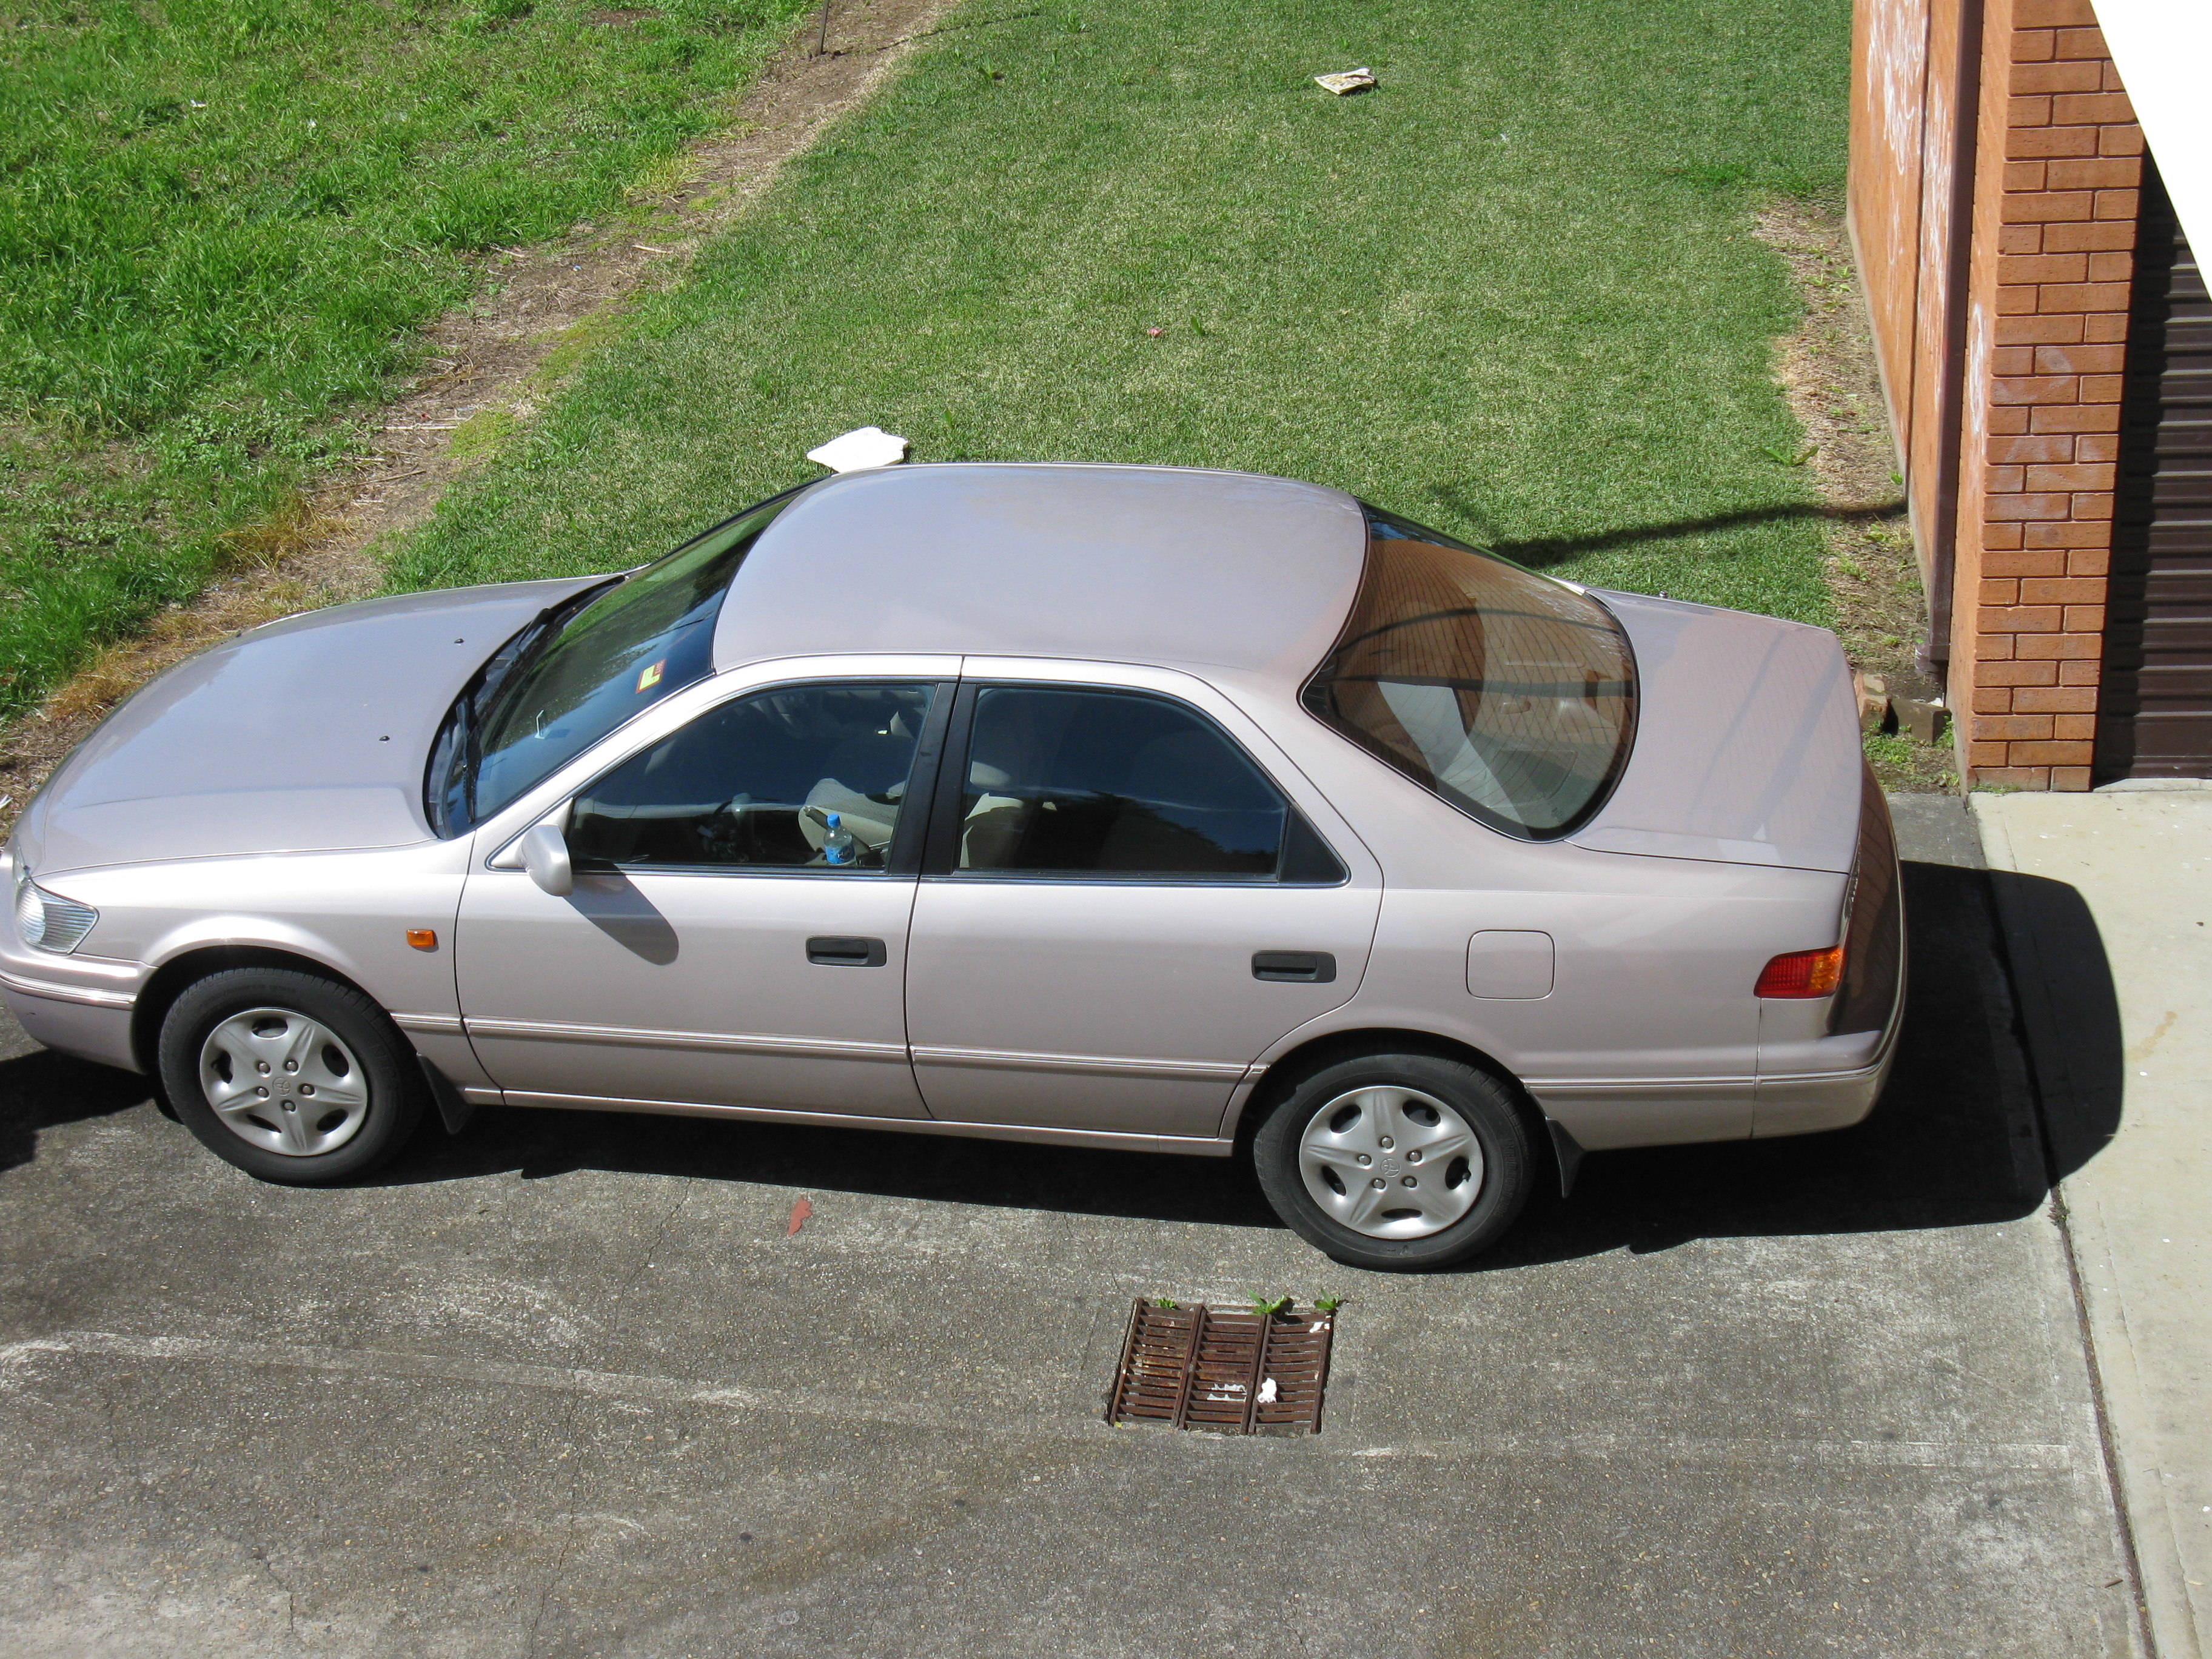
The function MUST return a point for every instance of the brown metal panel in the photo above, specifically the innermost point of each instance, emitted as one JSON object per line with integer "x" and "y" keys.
{"x": 2155, "y": 717}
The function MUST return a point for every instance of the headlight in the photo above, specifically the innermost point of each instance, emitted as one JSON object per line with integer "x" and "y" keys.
{"x": 49, "y": 921}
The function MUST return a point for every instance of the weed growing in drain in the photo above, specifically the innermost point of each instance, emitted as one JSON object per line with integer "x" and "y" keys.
{"x": 224, "y": 222}
{"x": 1328, "y": 1304}
{"x": 1269, "y": 1307}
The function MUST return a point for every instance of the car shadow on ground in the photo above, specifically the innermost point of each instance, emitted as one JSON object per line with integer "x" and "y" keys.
{"x": 2008, "y": 1076}
{"x": 42, "y": 1090}
{"x": 1991, "y": 1100}
{"x": 1979, "y": 1116}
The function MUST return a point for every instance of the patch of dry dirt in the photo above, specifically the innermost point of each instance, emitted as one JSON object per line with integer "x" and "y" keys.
{"x": 1827, "y": 371}
{"x": 487, "y": 360}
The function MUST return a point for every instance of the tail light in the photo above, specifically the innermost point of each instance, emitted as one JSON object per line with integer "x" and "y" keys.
{"x": 1803, "y": 974}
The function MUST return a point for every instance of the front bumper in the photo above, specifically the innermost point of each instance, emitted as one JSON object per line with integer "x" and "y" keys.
{"x": 74, "y": 1005}
{"x": 72, "y": 1019}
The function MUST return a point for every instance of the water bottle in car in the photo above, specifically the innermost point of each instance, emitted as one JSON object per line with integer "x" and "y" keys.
{"x": 837, "y": 845}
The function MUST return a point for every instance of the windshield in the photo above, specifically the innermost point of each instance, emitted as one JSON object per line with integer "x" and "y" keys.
{"x": 583, "y": 669}
{"x": 1509, "y": 695}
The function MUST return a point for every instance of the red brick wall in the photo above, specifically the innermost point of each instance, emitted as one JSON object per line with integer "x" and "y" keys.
{"x": 2054, "y": 221}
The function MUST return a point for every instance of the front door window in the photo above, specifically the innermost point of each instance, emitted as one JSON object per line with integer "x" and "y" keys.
{"x": 807, "y": 777}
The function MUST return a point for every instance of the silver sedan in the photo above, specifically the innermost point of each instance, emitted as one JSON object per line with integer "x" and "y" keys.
{"x": 1104, "y": 806}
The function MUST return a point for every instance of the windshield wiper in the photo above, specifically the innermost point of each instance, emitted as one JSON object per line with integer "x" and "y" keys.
{"x": 456, "y": 754}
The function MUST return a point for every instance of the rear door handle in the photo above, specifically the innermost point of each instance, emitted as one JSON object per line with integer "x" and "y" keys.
{"x": 836, "y": 951}
{"x": 1295, "y": 967}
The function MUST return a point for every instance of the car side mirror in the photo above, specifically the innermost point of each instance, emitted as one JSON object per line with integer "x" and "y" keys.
{"x": 545, "y": 856}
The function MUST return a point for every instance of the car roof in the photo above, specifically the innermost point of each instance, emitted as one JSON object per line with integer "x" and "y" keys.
{"x": 1155, "y": 565}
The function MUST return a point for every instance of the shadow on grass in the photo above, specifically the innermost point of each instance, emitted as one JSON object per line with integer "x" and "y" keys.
{"x": 1956, "y": 1140}
{"x": 1538, "y": 552}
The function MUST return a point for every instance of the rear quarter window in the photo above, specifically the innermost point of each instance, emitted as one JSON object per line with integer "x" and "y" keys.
{"x": 1508, "y": 695}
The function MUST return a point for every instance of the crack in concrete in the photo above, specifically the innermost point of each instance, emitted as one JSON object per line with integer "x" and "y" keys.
{"x": 291, "y": 1601}
{"x": 621, "y": 1300}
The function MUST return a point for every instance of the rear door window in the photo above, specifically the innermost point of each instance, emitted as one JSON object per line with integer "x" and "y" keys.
{"x": 1121, "y": 785}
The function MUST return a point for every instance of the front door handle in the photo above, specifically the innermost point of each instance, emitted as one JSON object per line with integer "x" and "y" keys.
{"x": 1295, "y": 967}
{"x": 836, "y": 951}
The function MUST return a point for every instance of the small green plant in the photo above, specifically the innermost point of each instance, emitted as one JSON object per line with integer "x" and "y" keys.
{"x": 1328, "y": 1304}
{"x": 1164, "y": 1302}
{"x": 1725, "y": 175}
{"x": 1267, "y": 1307}
{"x": 1781, "y": 457}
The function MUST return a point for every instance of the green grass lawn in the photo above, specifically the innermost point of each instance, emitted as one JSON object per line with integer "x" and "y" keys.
{"x": 1513, "y": 292}
{"x": 222, "y": 221}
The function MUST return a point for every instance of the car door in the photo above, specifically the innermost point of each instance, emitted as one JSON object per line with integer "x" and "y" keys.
{"x": 1121, "y": 910}
{"x": 737, "y": 934}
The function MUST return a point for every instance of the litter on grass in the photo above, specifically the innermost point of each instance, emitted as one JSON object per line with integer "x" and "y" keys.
{"x": 1345, "y": 80}
{"x": 863, "y": 447}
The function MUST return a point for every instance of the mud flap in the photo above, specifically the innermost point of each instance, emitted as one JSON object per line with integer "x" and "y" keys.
{"x": 1569, "y": 1152}
{"x": 452, "y": 1109}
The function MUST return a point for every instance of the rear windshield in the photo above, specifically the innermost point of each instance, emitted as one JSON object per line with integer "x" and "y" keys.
{"x": 1511, "y": 696}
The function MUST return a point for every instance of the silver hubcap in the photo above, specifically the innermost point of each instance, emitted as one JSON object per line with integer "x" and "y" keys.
{"x": 283, "y": 1082}
{"x": 1391, "y": 1163}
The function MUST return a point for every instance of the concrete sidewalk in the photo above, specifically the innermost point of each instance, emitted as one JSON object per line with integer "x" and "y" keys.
{"x": 2124, "y": 1068}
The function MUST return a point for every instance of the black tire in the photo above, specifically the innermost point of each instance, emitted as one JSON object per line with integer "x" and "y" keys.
{"x": 1500, "y": 1129}
{"x": 397, "y": 1092}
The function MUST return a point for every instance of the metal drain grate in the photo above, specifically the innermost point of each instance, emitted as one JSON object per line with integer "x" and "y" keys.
{"x": 1209, "y": 1368}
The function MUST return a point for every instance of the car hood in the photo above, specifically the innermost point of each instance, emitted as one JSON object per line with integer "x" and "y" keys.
{"x": 308, "y": 735}
{"x": 1747, "y": 742}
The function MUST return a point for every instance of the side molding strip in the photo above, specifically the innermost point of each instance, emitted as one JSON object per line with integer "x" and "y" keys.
{"x": 712, "y": 1041}
{"x": 1002, "y": 1059}
{"x": 1197, "y": 1146}
{"x": 437, "y": 1024}
{"x": 79, "y": 993}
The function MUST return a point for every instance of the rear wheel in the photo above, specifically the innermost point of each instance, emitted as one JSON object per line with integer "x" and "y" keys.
{"x": 292, "y": 1077}
{"x": 1396, "y": 1162}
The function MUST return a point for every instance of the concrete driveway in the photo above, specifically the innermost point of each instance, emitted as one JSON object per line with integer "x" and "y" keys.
{"x": 572, "y": 1385}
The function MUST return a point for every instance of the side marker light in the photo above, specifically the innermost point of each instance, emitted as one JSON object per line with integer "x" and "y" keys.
{"x": 1803, "y": 974}
{"x": 426, "y": 939}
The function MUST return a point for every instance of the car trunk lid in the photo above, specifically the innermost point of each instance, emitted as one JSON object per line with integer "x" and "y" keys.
{"x": 1746, "y": 746}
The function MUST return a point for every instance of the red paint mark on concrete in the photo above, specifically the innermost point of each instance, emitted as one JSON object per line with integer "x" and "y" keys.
{"x": 800, "y": 1212}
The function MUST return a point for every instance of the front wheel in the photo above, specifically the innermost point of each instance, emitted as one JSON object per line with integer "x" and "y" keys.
{"x": 292, "y": 1077}
{"x": 1396, "y": 1162}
